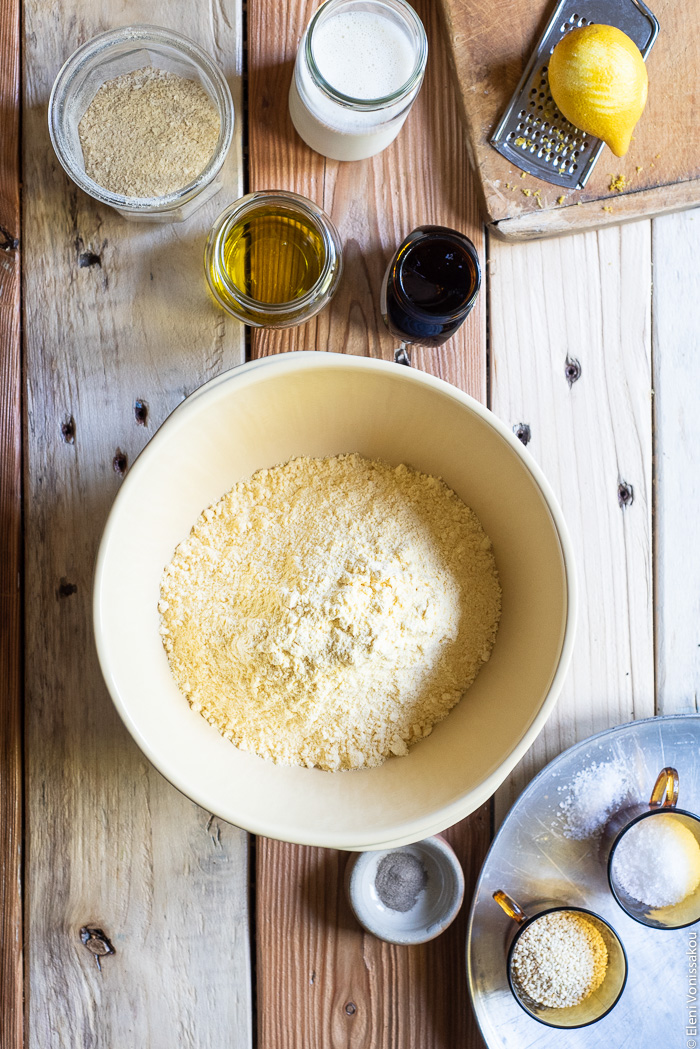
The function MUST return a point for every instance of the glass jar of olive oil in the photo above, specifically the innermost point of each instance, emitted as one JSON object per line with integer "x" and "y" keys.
{"x": 273, "y": 259}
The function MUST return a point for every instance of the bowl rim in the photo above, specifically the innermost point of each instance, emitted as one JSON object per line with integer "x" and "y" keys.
{"x": 407, "y": 832}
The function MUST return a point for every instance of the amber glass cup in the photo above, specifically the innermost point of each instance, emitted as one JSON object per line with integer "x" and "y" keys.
{"x": 663, "y": 801}
{"x": 599, "y": 1003}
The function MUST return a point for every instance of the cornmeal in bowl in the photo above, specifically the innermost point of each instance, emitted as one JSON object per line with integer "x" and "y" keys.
{"x": 328, "y": 612}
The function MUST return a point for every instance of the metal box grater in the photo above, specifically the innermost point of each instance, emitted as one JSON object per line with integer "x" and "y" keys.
{"x": 532, "y": 134}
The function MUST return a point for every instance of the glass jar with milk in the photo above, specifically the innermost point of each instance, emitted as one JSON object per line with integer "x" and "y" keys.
{"x": 359, "y": 67}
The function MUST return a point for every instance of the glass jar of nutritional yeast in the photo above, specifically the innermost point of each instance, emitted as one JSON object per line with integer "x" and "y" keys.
{"x": 359, "y": 67}
{"x": 273, "y": 259}
{"x": 113, "y": 54}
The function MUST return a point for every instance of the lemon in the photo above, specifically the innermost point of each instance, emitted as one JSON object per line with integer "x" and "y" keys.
{"x": 599, "y": 82}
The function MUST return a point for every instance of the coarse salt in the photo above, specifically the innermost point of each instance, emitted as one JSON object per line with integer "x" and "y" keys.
{"x": 593, "y": 795}
{"x": 657, "y": 861}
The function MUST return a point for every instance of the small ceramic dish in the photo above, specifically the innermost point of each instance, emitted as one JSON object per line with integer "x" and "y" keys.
{"x": 407, "y": 895}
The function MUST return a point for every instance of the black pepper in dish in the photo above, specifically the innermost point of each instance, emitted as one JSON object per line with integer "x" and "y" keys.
{"x": 400, "y": 880}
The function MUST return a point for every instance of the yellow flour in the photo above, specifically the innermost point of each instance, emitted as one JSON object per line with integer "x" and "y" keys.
{"x": 328, "y": 612}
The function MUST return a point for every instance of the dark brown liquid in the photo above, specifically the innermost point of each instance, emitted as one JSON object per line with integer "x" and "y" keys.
{"x": 431, "y": 285}
{"x": 438, "y": 276}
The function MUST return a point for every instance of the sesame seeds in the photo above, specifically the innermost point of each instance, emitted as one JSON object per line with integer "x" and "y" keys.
{"x": 559, "y": 960}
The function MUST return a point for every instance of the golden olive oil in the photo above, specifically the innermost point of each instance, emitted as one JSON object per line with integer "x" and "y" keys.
{"x": 273, "y": 259}
{"x": 273, "y": 255}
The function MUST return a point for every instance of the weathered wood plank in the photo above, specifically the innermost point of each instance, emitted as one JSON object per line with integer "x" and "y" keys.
{"x": 571, "y": 360}
{"x": 676, "y": 336}
{"x": 321, "y": 981}
{"x": 112, "y": 347}
{"x": 11, "y": 1008}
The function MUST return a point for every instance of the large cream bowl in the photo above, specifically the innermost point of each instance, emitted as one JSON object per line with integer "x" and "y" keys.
{"x": 318, "y": 404}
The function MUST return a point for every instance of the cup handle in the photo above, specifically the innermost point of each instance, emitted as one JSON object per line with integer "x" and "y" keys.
{"x": 509, "y": 906}
{"x": 665, "y": 792}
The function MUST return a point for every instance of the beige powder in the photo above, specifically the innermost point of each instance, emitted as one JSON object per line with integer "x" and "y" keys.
{"x": 329, "y": 612}
{"x": 148, "y": 133}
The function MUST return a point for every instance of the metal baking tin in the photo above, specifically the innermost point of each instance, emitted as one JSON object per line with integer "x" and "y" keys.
{"x": 532, "y": 860}
{"x": 532, "y": 134}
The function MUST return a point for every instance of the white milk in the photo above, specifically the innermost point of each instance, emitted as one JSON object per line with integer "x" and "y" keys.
{"x": 364, "y": 54}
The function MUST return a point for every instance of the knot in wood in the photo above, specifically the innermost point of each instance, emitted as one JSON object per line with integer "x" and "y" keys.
{"x": 522, "y": 432}
{"x": 66, "y": 589}
{"x": 68, "y": 430}
{"x": 96, "y": 942}
{"x": 625, "y": 494}
{"x": 89, "y": 258}
{"x": 572, "y": 370}
{"x": 120, "y": 462}
{"x": 7, "y": 241}
{"x": 141, "y": 412}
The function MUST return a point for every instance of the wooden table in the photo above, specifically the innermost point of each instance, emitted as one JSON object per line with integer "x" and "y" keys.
{"x": 222, "y": 940}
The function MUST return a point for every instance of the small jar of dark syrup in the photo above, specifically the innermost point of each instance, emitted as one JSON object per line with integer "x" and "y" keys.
{"x": 430, "y": 286}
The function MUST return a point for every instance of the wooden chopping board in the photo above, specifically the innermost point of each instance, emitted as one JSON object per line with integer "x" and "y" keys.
{"x": 490, "y": 45}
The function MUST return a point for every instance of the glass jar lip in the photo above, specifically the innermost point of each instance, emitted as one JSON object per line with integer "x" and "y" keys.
{"x": 250, "y": 202}
{"x": 431, "y": 315}
{"x": 368, "y": 104}
{"x": 141, "y": 34}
